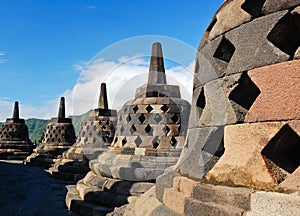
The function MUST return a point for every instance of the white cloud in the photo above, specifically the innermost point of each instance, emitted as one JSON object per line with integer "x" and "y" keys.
{"x": 2, "y": 57}
{"x": 90, "y": 7}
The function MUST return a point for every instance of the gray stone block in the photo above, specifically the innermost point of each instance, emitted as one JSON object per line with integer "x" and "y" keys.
{"x": 258, "y": 51}
{"x": 197, "y": 156}
{"x": 272, "y": 6}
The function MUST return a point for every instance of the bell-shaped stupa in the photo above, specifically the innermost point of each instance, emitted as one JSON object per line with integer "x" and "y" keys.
{"x": 150, "y": 134}
{"x": 58, "y": 138}
{"x": 96, "y": 134}
{"x": 14, "y": 138}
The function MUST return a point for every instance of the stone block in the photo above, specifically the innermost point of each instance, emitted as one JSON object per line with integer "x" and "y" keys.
{"x": 210, "y": 68}
{"x": 174, "y": 200}
{"x": 164, "y": 181}
{"x": 227, "y": 196}
{"x": 292, "y": 183}
{"x": 279, "y": 98}
{"x": 242, "y": 162}
{"x": 258, "y": 51}
{"x": 271, "y": 6}
{"x": 196, "y": 207}
{"x": 229, "y": 16}
{"x": 193, "y": 161}
{"x": 271, "y": 203}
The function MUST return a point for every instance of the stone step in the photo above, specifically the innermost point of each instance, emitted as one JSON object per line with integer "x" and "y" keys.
{"x": 197, "y": 207}
{"x": 174, "y": 200}
{"x": 223, "y": 195}
{"x": 82, "y": 208}
{"x": 99, "y": 196}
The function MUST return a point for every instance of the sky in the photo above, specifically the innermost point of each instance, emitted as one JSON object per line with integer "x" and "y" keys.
{"x": 54, "y": 48}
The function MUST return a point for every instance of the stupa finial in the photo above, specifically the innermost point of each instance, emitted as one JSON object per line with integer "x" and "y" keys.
{"x": 61, "y": 111}
{"x": 16, "y": 110}
{"x": 102, "y": 103}
{"x": 157, "y": 70}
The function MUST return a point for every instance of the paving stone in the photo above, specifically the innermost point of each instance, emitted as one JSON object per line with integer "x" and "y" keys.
{"x": 279, "y": 98}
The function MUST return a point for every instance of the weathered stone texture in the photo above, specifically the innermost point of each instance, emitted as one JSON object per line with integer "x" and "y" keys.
{"x": 280, "y": 95}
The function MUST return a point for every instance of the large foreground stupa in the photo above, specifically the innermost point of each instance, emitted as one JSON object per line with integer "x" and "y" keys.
{"x": 58, "y": 138}
{"x": 14, "y": 138}
{"x": 150, "y": 135}
{"x": 96, "y": 133}
{"x": 242, "y": 152}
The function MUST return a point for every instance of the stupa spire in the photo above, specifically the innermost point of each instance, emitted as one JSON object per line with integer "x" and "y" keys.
{"x": 102, "y": 103}
{"x": 16, "y": 110}
{"x": 157, "y": 70}
{"x": 61, "y": 111}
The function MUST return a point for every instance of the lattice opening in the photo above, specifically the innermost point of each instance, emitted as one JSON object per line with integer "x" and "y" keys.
{"x": 166, "y": 130}
{"x": 149, "y": 108}
{"x": 132, "y": 129}
{"x": 284, "y": 151}
{"x": 212, "y": 24}
{"x": 148, "y": 129}
{"x": 164, "y": 108}
{"x": 138, "y": 141}
{"x": 174, "y": 118}
{"x": 157, "y": 118}
{"x": 173, "y": 141}
{"x": 286, "y": 34}
{"x": 201, "y": 99}
{"x": 124, "y": 141}
{"x": 253, "y": 7}
{"x": 245, "y": 93}
{"x": 225, "y": 50}
{"x": 128, "y": 118}
{"x": 122, "y": 129}
{"x": 142, "y": 118}
{"x": 135, "y": 108}
{"x": 155, "y": 142}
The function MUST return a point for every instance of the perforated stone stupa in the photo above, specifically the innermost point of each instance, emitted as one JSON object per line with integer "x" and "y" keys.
{"x": 150, "y": 134}
{"x": 96, "y": 134}
{"x": 59, "y": 137}
{"x": 243, "y": 143}
{"x": 14, "y": 139}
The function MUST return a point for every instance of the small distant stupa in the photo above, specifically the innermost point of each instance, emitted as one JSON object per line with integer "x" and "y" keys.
{"x": 14, "y": 139}
{"x": 96, "y": 134}
{"x": 59, "y": 136}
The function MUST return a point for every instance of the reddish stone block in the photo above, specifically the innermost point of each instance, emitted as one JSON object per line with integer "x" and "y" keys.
{"x": 280, "y": 92}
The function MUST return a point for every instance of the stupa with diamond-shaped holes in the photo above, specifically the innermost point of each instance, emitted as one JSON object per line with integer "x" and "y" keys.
{"x": 150, "y": 134}
{"x": 59, "y": 137}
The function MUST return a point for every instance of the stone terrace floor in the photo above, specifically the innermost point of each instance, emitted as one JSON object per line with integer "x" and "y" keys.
{"x": 26, "y": 190}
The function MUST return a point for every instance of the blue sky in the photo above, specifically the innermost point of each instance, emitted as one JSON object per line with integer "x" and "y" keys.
{"x": 45, "y": 44}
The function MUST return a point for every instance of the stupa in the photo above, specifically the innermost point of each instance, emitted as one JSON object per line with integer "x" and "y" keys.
{"x": 58, "y": 138}
{"x": 241, "y": 155}
{"x": 96, "y": 134}
{"x": 14, "y": 138}
{"x": 150, "y": 135}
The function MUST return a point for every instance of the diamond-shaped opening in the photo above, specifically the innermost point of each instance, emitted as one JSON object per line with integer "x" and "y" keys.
{"x": 138, "y": 141}
{"x": 245, "y": 93}
{"x": 59, "y": 140}
{"x": 94, "y": 127}
{"x": 225, "y": 50}
{"x": 112, "y": 128}
{"x": 173, "y": 141}
{"x": 132, "y": 129}
{"x": 99, "y": 133}
{"x": 174, "y": 118}
{"x": 90, "y": 133}
{"x": 124, "y": 141}
{"x": 201, "y": 99}
{"x": 282, "y": 153}
{"x": 142, "y": 118}
{"x": 122, "y": 129}
{"x": 100, "y": 122}
{"x": 253, "y": 7}
{"x": 164, "y": 108}
{"x": 285, "y": 34}
{"x": 155, "y": 142}
{"x": 166, "y": 130}
{"x": 149, "y": 108}
{"x": 212, "y": 24}
{"x": 148, "y": 129}
{"x": 157, "y": 118}
{"x": 107, "y": 122}
{"x": 128, "y": 118}
{"x": 135, "y": 108}
{"x": 103, "y": 127}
